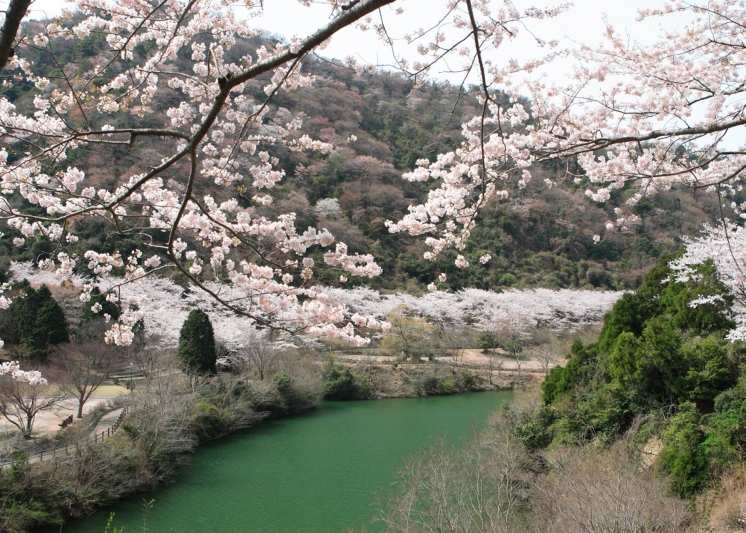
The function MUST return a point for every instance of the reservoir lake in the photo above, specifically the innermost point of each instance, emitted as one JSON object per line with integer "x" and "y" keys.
{"x": 321, "y": 472}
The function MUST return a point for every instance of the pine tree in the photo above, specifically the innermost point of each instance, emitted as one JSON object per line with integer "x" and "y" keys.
{"x": 197, "y": 344}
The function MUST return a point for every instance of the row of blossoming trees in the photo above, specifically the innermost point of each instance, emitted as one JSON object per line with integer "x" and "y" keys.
{"x": 636, "y": 119}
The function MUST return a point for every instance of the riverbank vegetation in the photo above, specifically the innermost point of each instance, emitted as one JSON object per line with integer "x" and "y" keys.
{"x": 641, "y": 430}
{"x": 504, "y": 481}
{"x": 643, "y": 420}
{"x": 168, "y": 414}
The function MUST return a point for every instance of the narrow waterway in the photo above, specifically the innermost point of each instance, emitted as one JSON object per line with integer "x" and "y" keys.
{"x": 316, "y": 473}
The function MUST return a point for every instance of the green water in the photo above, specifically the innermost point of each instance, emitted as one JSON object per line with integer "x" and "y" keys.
{"x": 316, "y": 473}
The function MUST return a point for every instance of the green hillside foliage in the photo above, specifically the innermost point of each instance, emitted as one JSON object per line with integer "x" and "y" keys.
{"x": 35, "y": 322}
{"x": 107, "y": 308}
{"x": 539, "y": 236}
{"x": 661, "y": 367}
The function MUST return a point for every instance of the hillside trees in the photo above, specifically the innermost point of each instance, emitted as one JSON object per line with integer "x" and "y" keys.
{"x": 190, "y": 62}
{"x": 626, "y": 135}
{"x": 663, "y": 366}
{"x": 35, "y": 321}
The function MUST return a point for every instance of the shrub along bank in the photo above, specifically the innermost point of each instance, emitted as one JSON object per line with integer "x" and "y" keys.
{"x": 663, "y": 367}
{"x": 365, "y": 382}
{"x": 168, "y": 417}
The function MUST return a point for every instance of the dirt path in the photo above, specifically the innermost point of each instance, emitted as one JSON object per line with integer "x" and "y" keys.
{"x": 48, "y": 421}
{"x": 107, "y": 421}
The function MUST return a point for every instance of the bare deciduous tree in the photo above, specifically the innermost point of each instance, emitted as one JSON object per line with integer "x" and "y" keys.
{"x": 605, "y": 491}
{"x": 21, "y": 401}
{"x": 160, "y": 417}
{"x": 478, "y": 488}
{"x": 409, "y": 335}
{"x": 493, "y": 364}
{"x": 80, "y": 369}
{"x": 546, "y": 356}
{"x": 257, "y": 354}
{"x": 147, "y": 355}
{"x": 512, "y": 334}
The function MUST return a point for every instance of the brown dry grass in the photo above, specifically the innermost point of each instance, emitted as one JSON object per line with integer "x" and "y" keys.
{"x": 728, "y": 512}
{"x": 604, "y": 490}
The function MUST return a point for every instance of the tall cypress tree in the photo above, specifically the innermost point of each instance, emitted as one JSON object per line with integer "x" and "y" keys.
{"x": 26, "y": 307}
{"x": 197, "y": 344}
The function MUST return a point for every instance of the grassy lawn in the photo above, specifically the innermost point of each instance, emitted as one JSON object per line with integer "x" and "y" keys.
{"x": 110, "y": 390}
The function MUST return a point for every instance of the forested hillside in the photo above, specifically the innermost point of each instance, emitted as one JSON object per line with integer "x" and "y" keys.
{"x": 662, "y": 370}
{"x": 380, "y": 125}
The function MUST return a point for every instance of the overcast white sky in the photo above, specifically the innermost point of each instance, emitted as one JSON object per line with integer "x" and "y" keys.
{"x": 583, "y": 23}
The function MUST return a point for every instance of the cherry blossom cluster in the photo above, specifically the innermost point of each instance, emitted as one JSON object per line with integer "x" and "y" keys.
{"x": 163, "y": 306}
{"x": 725, "y": 246}
{"x": 558, "y": 310}
{"x": 644, "y": 117}
{"x": 216, "y": 131}
{"x": 13, "y": 369}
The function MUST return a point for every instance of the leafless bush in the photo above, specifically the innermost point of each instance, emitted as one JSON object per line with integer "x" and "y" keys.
{"x": 256, "y": 355}
{"x": 728, "y": 512}
{"x": 481, "y": 487}
{"x": 595, "y": 490}
{"x": 149, "y": 357}
{"x": 233, "y": 402}
{"x": 159, "y": 420}
{"x": 108, "y": 471}
{"x": 302, "y": 369}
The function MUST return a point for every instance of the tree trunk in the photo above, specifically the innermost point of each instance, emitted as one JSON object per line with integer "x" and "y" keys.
{"x": 29, "y": 423}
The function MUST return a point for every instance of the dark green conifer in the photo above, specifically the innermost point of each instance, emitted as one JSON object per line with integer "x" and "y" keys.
{"x": 197, "y": 344}
{"x": 40, "y": 320}
{"x": 50, "y": 326}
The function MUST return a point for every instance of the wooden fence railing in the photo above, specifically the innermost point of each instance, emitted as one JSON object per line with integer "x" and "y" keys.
{"x": 65, "y": 448}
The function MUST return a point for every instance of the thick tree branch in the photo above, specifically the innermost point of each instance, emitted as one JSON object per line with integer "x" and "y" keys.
{"x": 13, "y": 17}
